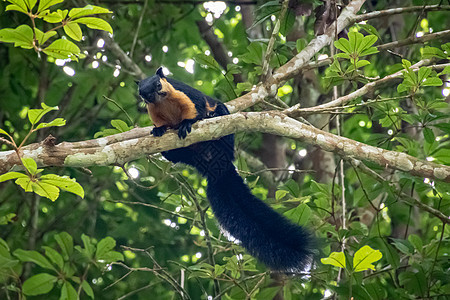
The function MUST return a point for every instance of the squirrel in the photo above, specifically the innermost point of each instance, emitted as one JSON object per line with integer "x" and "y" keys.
{"x": 274, "y": 240}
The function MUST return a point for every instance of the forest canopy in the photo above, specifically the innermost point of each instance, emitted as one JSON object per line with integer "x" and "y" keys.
{"x": 341, "y": 116}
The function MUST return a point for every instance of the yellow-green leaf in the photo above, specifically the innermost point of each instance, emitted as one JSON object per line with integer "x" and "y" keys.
{"x": 3, "y": 132}
{"x": 55, "y": 122}
{"x": 22, "y": 36}
{"x": 87, "y": 289}
{"x": 45, "y": 190}
{"x": 64, "y": 183}
{"x": 95, "y": 23}
{"x": 30, "y": 3}
{"x": 62, "y": 48}
{"x": 79, "y": 12}
{"x": 30, "y": 165}
{"x": 43, "y": 37}
{"x": 45, "y": 4}
{"x": 364, "y": 258}
{"x": 17, "y": 8}
{"x": 73, "y": 30}
{"x": 24, "y": 183}
{"x": 336, "y": 259}
{"x": 35, "y": 115}
{"x": 54, "y": 17}
{"x": 12, "y": 175}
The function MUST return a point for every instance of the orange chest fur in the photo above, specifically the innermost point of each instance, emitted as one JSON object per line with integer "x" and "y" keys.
{"x": 172, "y": 110}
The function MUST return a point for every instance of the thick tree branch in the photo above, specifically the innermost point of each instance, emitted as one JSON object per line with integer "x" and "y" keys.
{"x": 399, "y": 10}
{"x": 121, "y": 148}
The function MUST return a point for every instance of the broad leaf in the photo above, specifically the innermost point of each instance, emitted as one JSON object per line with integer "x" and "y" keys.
{"x": 65, "y": 242}
{"x": 43, "y": 37}
{"x": 54, "y": 256}
{"x": 94, "y": 23}
{"x": 104, "y": 246}
{"x": 12, "y": 175}
{"x": 21, "y": 36}
{"x": 87, "y": 10}
{"x": 63, "y": 49}
{"x": 73, "y": 30}
{"x": 64, "y": 183}
{"x": 364, "y": 258}
{"x": 207, "y": 60}
{"x": 45, "y": 190}
{"x": 120, "y": 125}
{"x": 68, "y": 292}
{"x": 39, "y": 284}
{"x": 45, "y": 4}
{"x": 299, "y": 215}
{"x": 35, "y": 115}
{"x": 30, "y": 165}
{"x": 34, "y": 257}
{"x": 55, "y": 122}
{"x": 54, "y": 17}
{"x": 87, "y": 289}
{"x": 336, "y": 259}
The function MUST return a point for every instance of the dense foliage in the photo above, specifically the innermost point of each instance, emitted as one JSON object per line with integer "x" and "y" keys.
{"x": 144, "y": 230}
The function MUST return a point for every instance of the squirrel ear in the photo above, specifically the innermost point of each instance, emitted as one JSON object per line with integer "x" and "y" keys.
{"x": 160, "y": 72}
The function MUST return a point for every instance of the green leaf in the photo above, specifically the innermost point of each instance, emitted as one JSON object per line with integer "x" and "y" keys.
{"x": 423, "y": 73}
{"x": 30, "y": 3}
{"x": 30, "y": 165}
{"x": 25, "y": 183}
{"x": 111, "y": 256}
{"x": 95, "y": 23}
{"x": 280, "y": 194}
{"x": 104, "y": 246}
{"x": 87, "y": 289}
{"x": 254, "y": 54}
{"x": 371, "y": 50}
{"x": 362, "y": 63}
{"x": 301, "y": 44}
{"x": 87, "y": 10}
{"x": 73, "y": 30}
{"x": 45, "y": 4}
{"x": 343, "y": 45}
{"x": 65, "y": 242}
{"x": 207, "y": 60}
{"x": 6, "y": 263}
{"x": 370, "y": 30}
{"x": 364, "y": 258}
{"x": 5, "y": 219}
{"x": 416, "y": 241}
{"x": 54, "y": 17}
{"x": 12, "y": 175}
{"x": 64, "y": 183}
{"x": 54, "y": 256}
{"x": 428, "y": 135}
{"x": 55, "y": 122}
{"x": 355, "y": 40}
{"x": 336, "y": 259}
{"x": 39, "y": 284}
{"x": 88, "y": 246}
{"x": 43, "y": 37}
{"x": 34, "y": 257}
{"x": 432, "y": 81}
{"x": 22, "y": 36}
{"x": 45, "y": 190}
{"x": 287, "y": 22}
{"x": 366, "y": 43}
{"x": 120, "y": 125}
{"x": 68, "y": 292}
{"x": 3, "y": 132}
{"x": 430, "y": 52}
{"x": 18, "y": 7}
{"x": 299, "y": 215}
{"x": 63, "y": 49}
{"x": 35, "y": 115}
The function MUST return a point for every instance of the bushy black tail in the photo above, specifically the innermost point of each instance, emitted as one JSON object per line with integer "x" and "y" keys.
{"x": 274, "y": 240}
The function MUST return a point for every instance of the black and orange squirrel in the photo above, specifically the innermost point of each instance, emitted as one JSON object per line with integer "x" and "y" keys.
{"x": 274, "y": 240}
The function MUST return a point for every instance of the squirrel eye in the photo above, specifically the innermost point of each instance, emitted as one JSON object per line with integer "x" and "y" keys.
{"x": 158, "y": 84}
